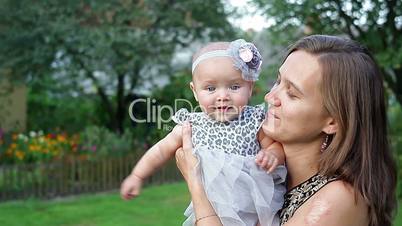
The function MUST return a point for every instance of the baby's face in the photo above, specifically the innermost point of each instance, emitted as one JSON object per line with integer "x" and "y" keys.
{"x": 220, "y": 89}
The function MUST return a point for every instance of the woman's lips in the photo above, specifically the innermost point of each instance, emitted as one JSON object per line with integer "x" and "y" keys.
{"x": 271, "y": 113}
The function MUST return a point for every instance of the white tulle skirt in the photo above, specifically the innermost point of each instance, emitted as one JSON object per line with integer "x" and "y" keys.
{"x": 241, "y": 193}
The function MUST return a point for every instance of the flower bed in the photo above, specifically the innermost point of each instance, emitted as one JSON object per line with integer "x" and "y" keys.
{"x": 38, "y": 146}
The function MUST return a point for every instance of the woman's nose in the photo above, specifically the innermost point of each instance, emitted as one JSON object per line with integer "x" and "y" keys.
{"x": 272, "y": 99}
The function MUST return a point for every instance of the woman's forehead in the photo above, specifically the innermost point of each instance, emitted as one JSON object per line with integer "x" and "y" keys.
{"x": 302, "y": 69}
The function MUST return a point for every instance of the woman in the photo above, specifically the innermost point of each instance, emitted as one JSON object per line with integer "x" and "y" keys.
{"x": 328, "y": 111}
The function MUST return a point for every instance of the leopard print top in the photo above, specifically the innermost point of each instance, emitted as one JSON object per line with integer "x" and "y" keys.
{"x": 298, "y": 195}
{"x": 238, "y": 136}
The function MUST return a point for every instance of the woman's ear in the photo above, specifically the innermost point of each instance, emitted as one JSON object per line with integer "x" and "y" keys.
{"x": 193, "y": 89}
{"x": 331, "y": 126}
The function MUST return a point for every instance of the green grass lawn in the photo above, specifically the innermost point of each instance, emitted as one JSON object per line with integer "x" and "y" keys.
{"x": 160, "y": 205}
{"x": 157, "y": 206}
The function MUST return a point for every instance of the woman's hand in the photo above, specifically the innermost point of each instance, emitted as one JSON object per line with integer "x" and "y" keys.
{"x": 185, "y": 159}
{"x": 187, "y": 163}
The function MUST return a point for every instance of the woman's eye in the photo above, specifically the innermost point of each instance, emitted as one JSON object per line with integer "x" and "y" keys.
{"x": 235, "y": 87}
{"x": 290, "y": 94}
{"x": 211, "y": 88}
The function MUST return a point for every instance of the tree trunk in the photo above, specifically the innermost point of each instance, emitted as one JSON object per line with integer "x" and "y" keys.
{"x": 120, "y": 107}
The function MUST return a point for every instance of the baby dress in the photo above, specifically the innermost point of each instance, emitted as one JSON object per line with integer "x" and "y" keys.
{"x": 240, "y": 192}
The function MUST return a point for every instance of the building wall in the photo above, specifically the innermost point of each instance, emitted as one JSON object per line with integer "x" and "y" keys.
{"x": 13, "y": 107}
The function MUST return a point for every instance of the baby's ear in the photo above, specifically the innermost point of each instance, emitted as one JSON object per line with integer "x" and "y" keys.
{"x": 193, "y": 89}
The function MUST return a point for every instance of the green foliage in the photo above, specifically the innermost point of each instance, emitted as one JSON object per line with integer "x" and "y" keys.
{"x": 109, "y": 48}
{"x": 102, "y": 142}
{"x": 62, "y": 113}
{"x": 395, "y": 137}
{"x": 376, "y": 24}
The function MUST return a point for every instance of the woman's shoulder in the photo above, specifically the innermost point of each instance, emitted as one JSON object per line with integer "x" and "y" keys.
{"x": 335, "y": 204}
{"x": 342, "y": 195}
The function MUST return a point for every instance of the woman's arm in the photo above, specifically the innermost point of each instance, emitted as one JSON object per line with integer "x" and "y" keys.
{"x": 187, "y": 164}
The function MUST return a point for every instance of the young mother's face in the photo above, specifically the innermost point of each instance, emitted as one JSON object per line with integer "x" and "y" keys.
{"x": 296, "y": 114}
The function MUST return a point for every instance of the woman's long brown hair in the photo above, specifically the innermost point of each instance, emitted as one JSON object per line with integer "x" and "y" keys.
{"x": 353, "y": 93}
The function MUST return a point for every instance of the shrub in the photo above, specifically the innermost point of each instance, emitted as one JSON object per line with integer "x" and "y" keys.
{"x": 99, "y": 141}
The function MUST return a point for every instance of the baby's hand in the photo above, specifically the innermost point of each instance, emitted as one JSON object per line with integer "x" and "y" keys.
{"x": 131, "y": 187}
{"x": 267, "y": 160}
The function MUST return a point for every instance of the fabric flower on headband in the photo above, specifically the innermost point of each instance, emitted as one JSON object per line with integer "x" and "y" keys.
{"x": 246, "y": 58}
{"x": 245, "y": 55}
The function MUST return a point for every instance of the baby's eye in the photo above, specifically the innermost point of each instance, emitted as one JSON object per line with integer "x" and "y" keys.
{"x": 210, "y": 88}
{"x": 235, "y": 87}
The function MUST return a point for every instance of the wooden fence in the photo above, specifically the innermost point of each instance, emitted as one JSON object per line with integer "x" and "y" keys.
{"x": 74, "y": 176}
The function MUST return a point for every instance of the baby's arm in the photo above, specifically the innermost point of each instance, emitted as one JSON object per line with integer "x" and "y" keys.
{"x": 271, "y": 154}
{"x": 154, "y": 158}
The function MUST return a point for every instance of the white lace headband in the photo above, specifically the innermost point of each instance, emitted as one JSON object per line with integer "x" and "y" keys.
{"x": 245, "y": 56}
{"x": 207, "y": 55}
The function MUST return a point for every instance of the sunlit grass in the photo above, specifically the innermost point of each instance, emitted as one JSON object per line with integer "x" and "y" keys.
{"x": 161, "y": 205}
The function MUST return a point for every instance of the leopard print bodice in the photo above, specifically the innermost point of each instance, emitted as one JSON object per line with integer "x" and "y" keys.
{"x": 238, "y": 136}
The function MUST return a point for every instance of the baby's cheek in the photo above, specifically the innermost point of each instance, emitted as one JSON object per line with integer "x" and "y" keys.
{"x": 319, "y": 209}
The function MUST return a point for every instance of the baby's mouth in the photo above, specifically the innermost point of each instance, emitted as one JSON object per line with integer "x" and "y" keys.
{"x": 223, "y": 108}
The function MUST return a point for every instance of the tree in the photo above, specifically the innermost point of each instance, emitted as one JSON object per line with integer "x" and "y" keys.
{"x": 112, "y": 47}
{"x": 376, "y": 24}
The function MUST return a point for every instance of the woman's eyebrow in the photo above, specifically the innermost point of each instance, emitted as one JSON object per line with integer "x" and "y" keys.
{"x": 294, "y": 86}
{"x": 287, "y": 81}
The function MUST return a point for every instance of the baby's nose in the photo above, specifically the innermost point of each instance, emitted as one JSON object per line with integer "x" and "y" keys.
{"x": 222, "y": 95}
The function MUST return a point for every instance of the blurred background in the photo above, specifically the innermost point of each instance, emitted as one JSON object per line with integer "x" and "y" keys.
{"x": 69, "y": 71}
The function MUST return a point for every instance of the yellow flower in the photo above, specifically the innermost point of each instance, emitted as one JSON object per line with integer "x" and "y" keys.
{"x": 20, "y": 155}
{"x": 61, "y": 138}
{"x": 33, "y": 147}
{"x": 13, "y": 145}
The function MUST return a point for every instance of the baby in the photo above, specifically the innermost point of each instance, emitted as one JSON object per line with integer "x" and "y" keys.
{"x": 227, "y": 140}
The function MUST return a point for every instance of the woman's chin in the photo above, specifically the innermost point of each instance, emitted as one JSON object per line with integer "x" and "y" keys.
{"x": 269, "y": 130}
